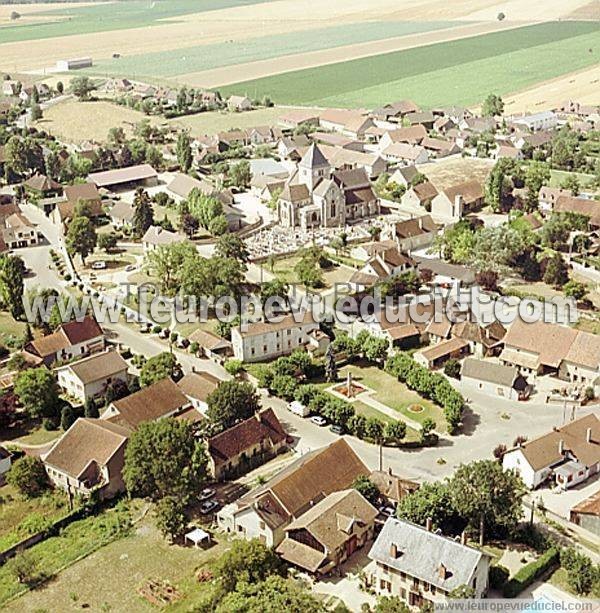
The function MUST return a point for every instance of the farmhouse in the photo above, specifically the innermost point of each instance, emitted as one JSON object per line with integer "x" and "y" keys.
{"x": 548, "y": 196}
{"x": 210, "y": 345}
{"x": 404, "y": 175}
{"x": 435, "y": 356}
{"x": 405, "y": 153}
{"x": 121, "y": 214}
{"x": 41, "y": 185}
{"x": 265, "y": 512}
{"x": 324, "y": 537}
{"x": 157, "y": 236}
{"x": 494, "y": 379}
{"x": 393, "y": 488}
{"x": 422, "y": 567}
{"x": 131, "y": 176}
{"x": 454, "y": 202}
{"x": 159, "y": 400}
{"x": 420, "y": 195}
{"x": 85, "y": 193}
{"x": 414, "y": 233}
{"x": 90, "y": 377}
{"x": 182, "y": 186}
{"x": 89, "y": 457}
{"x": 17, "y": 232}
{"x": 239, "y": 103}
{"x": 581, "y": 206}
{"x": 349, "y": 123}
{"x": 246, "y": 445}
{"x": 412, "y": 135}
{"x": 260, "y": 341}
{"x": 293, "y": 119}
{"x": 568, "y": 455}
{"x": 395, "y": 110}
{"x": 198, "y": 386}
{"x": 72, "y": 339}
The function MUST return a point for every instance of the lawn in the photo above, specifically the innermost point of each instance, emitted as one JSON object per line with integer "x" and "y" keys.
{"x": 558, "y": 176}
{"x": 129, "y": 561}
{"x": 456, "y": 72}
{"x": 394, "y": 394}
{"x": 74, "y": 542}
{"x": 9, "y": 328}
{"x": 20, "y": 517}
{"x": 121, "y": 16}
{"x": 284, "y": 271}
{"x": 176, "y": 62}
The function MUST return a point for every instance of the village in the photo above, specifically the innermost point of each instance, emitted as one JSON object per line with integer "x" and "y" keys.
{"x": 331, "y": 452}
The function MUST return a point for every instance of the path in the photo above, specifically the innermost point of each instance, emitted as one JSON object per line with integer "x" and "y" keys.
{"x": 368, "y": 399}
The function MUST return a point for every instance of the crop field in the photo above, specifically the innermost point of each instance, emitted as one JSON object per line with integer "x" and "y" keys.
{"x": 205, "y": 57}
{"x": 456, "y": 72}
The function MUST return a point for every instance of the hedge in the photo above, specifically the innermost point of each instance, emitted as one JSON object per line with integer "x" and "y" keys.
{"x": 530, "y": 572}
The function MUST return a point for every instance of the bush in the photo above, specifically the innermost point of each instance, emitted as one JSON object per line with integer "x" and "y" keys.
{"x": 284, "y": 386}
{"x": 498, "y": 576}
{"x": 530, "y": 572}
{"x": 68, "y": 277}
{"x": 28, "y": 475}
{"x": 194, "y": 348}
{"x": 157, "y": 329}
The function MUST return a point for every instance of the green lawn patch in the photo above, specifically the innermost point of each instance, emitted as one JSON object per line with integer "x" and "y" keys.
{"x": 457, "y": 72}
{"x": 10, "y": 328}
{"x": 558, "y": 176}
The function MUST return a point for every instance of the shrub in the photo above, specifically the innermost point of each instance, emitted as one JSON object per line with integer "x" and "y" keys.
{"x": 194, "y": 348}
{"x": 498, "y": 576}
{"x": 284, "y": 386}
{"x": 68, "y": 277}
{"x": 157, "y": 329}
{"x": 530, "y": 572}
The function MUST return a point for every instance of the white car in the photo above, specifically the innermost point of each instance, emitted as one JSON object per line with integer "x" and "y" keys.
{"x": 208, "y": 507}
{"x": 207, "y": 493}
{"x": 99, "y": 265}
{"x": 130, "y": 267}
{"x": 318, "y": 420}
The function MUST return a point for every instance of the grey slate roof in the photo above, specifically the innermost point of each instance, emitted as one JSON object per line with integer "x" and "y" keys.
{"x": 314, "y": 158}
{"x": 421, "y": 553}
{"x": 489, "y": 371}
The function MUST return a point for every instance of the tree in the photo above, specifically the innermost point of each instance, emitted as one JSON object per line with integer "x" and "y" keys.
{"x": 240, "y": 174}
{"x": 189, "y": 224}
{"x": 204, "y": 208}
{"x": 164, "y": 458}
{"x": 427, "y": 427}
{"x": 23, "y": 567}
{"x": 107, "y": 241}
{"x": 556, "y": 272}
{"x": 36, "y": 112}
{"x": 67, "y": 417}
{"x": 246, "y": 562}
{"x": 12, "y": 273}
{"x": 231, "y": 246}
{"x": 394, "y": 431}
{"x": 28, "y": 476}
{"x": 571, "y": 182}
{"x": 91, "y": 409}
{"x": 501, "y": 16}
{"x": 184, "y": 152}
{"x": 364, "y": 486}
{"x": 218, "y": 225}
{"x": 273, "y": 289}
{"x": 8, "y": 409}
{"x": 157, "y": 368}
{"x": 143, "y": 215}
{"x": 231, "y": 402}
{"x": 234, "y": 367}
{"x": 500, "y": 183}
{"x": 488, "y": 279}
{"x": 575, "y": 289}
{"x": 37, "y": 391}
{"x": 536, "y": 176}
{"x": 170, "y": 517}
{"x": 462, "y": 592}
{"x": 116, "y": 136}
{"x": 167, "y": 262}
{"x": 452, "y": 368}
{"x": 330, "y": 365}
{"x": 487, "y": 496}
{"x": 60, "y": 88}
{"x": 431, "y": 501}
{"x": 492, "y": 106}
{"x": 374, "y": 430}
{"x": 81, "y": 237}
{"x": 391, "y": 604}
{"x": 82, "y": 87}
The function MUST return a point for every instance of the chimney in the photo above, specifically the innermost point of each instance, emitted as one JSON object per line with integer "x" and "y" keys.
{"x": 458, "y": 205}
{"x": 420, "y": 220}
{"x": 463, "y": 537}
{"x": 428, "y": 524}
{"x": 442, "y": 572}
{"x": 394, "y": 550}
{"x": 390, "y": 468}
{"x": 588, "y": 435}
{"x": 561, "y": 446}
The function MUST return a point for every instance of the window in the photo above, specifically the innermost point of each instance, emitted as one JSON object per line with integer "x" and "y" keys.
{"x": 261, "y": 525}
{"x": 402, "y": 593}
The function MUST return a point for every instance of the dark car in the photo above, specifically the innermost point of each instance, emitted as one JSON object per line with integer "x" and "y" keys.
{"x": 336, "y": 429}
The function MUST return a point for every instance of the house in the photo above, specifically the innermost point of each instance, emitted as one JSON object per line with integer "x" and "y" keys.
{"x": 495, "y": 379}
{"x": 42, "y": 186}
{"x": 548, "y": 197}
{"x": 454, "y": 202}
{"x": 507, "y": 151}
{"x": 72, "y": 339}
{"x": 18, "y": 231}
{"x": 121, "y": 214}
{"x": 387, "y": 263}
{"x": 341, "y": 158}
{"x": 157, "y": 236}
{"x": 414, "y": 233}
{"x": 298, "y": 117}
{"x": 568, "y": 455}
{"x": 412, "y": 135}
{"x": 353, "y": 124}
{"x": 439, "y": 148}
{"x": 329, "y": 533}
{"x": 263, "y": 135}
{"x": 89, "y": 457}
{"x": 543, "y": 348}
{"x": 423, "y": 118}
{"x": 404, "y": 176}
{"x": 198, "y": 386}
{"x": 587, "y": 514}
{"x": 586, "y": 207}
{"x": 405, "y": 153}
{"x": 182, "y": 186}
{"x": 421, "y": 195}
{"x": 5, "y": 461}
{"x": 129, "y": 177}
{"x": 483, "y": 340}
{"x": 391, "y": 487}
{"x": 422, "y": 567}
{"x": 239, "y": 103}
{"x": 11, "y": 87}
{"x": 85, "y": 193}
{"x": 210, "y": 345}
{"x": 91, "y": 376}
{"x": 255, "y": 342}
{"x": 477, "y": 125}
{"x": 159, "y": 400}
{"x": 395, "y": 110}
{"x": 266, "y": 511}
{"x": 544, "y": 120}
{"x": 444, "y": 274}
{"x": 435, "y": 356}
{"x": 246, "y": 445}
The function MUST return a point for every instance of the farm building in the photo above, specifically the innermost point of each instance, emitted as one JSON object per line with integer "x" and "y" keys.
{"x": 142, "y": 174}
{"x": 74, "y": 63}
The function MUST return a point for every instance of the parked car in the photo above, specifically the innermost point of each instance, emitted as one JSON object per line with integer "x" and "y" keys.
{"x": 318, "y": 420}
{"x": 99, "y": 265}
{"x": 388, "y": 511}
{"x": 130, "y": 267}
{"x": 208, "y": 506}
{"x": 298, "y": 408}
{"x": 207, "y": 493}
{"x": 336, "y": 429}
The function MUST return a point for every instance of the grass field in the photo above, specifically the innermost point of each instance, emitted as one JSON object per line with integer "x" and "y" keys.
{"x": 457, "y": 72}
{"x": 120, "y": 16}
{"x": 204, "y": 57}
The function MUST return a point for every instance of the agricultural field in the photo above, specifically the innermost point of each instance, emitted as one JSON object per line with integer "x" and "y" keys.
{"x": 442, "y": 73}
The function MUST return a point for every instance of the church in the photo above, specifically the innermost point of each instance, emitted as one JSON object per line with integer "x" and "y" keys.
{"x": 318, "y": 196}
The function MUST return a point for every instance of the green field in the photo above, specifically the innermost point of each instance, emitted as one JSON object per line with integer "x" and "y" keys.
{"x": 119, "y": 16}
{"x": 205, "y": 57}
{"x": 457, "y": 72}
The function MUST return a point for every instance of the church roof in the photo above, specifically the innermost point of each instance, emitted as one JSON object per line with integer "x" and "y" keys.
{"x": 313, "y": 158}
